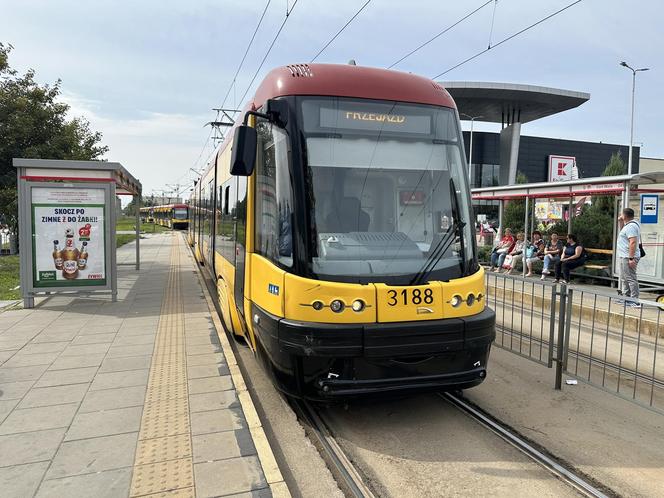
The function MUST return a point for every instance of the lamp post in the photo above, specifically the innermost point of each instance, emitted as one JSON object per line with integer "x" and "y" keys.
{"x": 631, "y": 130}
{"x": 470, "y": 155}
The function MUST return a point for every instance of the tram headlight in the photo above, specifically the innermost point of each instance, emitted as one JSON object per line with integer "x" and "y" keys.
{"x": 317, "y": 305}
{"x": 456, "y": 301}
{"x": 470, "y": 300}
{"x": 358, "y": 305}
{"x": 337, "y": 306}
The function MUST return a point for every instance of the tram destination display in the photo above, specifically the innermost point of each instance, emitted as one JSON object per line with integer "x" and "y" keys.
{"x": 68, "y": 246}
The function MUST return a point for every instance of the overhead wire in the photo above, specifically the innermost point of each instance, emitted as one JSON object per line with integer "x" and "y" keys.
{"x": 231, "y": 86}
{"x": 340, "y": 31}
{"x": 244, "y": 57}
{"x": 439, "y": 34}
{"x": 260, "y": 66}
{"x": 506, "y": 39}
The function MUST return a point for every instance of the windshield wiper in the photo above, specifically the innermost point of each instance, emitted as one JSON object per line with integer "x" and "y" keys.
{"x": 445, "y": 242}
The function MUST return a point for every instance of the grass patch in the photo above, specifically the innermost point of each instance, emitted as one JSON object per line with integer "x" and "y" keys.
{"x": 122, "y": 239}
{"x": 129, "y": 223}
{"x": 9, "y": 278}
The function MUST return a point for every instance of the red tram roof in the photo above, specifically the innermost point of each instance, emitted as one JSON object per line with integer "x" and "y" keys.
{"x": 342, "y": 80}
{"x": 345, "y": 80}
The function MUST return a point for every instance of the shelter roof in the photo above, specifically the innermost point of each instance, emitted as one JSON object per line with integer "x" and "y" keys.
{"x": 90, "y": 171}
{"x": 495, "y": 102}
{"x": 601, "y": 185}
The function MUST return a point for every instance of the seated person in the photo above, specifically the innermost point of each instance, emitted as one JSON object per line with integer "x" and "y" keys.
{"x": 500, "y": 251}
{"x": 573, "y": 256}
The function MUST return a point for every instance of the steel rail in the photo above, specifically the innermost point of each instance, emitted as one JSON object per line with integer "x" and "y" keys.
{"x": 347, "y": 476}
{"x": 559, "y": 470}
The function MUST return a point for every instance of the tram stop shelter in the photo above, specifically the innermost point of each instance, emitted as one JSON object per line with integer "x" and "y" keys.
{"x": 67, "y": 219}
{"x": 646, "y": 192}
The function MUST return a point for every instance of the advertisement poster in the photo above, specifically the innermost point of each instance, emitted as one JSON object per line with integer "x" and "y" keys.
{"x": 68, "y": 227}
{"x": 547, "y": 210}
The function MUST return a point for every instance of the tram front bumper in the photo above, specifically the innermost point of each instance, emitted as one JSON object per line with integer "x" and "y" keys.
{"x": 340, "y": 360}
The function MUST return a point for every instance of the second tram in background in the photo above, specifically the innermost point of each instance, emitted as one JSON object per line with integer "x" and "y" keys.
{"x": 171, "y": 215}
{"x": 337, "y": 225}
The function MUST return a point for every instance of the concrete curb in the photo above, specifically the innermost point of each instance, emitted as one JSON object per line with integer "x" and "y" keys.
{"x": 273, "y": 475}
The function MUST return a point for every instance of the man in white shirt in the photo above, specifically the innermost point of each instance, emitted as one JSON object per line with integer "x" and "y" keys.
{"x": 629, "y": 255}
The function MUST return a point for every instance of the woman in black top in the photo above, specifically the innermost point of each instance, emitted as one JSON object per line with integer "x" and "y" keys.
{"x": 572, "y": 257}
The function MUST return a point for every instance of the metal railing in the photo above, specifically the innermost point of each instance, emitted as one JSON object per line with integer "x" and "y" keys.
{"x": 592, "y": 335}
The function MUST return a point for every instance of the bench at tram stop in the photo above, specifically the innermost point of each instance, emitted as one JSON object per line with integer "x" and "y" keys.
{"x": 599, "y": 268}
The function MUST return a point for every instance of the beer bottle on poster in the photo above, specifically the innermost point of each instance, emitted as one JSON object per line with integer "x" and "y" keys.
{"x": 69, "y": 257}
{"x": 57, "y": 255}
{"x": 83, "y": 256}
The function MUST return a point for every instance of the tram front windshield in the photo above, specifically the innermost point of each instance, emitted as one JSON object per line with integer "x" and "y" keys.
{"x": 180, "y": 213}
{"x": 386, "y": 190}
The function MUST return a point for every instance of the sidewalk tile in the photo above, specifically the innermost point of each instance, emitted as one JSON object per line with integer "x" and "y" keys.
{"x": 212, "y": 401}
{"x": 28, "y": 447}
{"x": 222, "y": 477}
{"x": 222, "y": 445}
{"x": 111, "y": 399}
{"x": 69, "y": 362}
{"x": 35, "y": 419}
{"x": 109, "y": 484}
{"x": 205, "y": 349}
{"x": 21, "y": 373}
{"x": 51, "y": 337}
{"x": 105, "y": 423}
{"x": 56, "y": 395}
{"x": 6, "y": 407}
{"x": 113, "y": 380}
{"x": 69, "y": 376}
{"x": 27, "y": 360}
{"x": 206, "y": 359}
{"x": 98, "y": 454}
{"x": 134, "y": 340}
{"x": 210, "y": 384}
{"x": 200, "y": 371}
{"x": 120, "y": 351}
{"x": 21, "y": 480}
{"x": 217, "y": 420}
{"x": 86, "y": 349}
{"x": 46, "y": 347}
{"x": 14, "y": 390}
{"x": 125, "y": 363}
{"x": 80, "y": 340}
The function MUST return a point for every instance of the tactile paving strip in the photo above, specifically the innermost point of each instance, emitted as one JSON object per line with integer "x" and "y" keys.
{"x": 163, "y": 465}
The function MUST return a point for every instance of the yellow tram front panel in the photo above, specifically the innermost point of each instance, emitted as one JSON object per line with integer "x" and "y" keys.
{"x": 267, "y": 287}
{"x": 463, "y": 288}
{"x": 302, "y": 296}
{"x": 409, "y": 303}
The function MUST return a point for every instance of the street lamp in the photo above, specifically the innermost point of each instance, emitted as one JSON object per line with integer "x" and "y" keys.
{"x": 470, "y": 155}
{"x": 631, "y": 129}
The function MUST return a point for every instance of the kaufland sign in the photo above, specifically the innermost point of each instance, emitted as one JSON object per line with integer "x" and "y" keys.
{"x": 562, "y": 168}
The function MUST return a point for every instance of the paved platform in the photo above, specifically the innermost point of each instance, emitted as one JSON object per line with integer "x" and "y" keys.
{"x": 133, "y": 398}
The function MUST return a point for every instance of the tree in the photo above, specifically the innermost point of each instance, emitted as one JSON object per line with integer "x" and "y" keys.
{"x": 515, "y": 210}
{"x": 33, "y": 124}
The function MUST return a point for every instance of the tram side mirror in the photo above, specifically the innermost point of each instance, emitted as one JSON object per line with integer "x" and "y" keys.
{"x": 243, "y": 157}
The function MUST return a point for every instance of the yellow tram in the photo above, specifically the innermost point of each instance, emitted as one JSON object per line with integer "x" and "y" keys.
{"x": 172, "y": 215}
{"x": 337, "y": 225}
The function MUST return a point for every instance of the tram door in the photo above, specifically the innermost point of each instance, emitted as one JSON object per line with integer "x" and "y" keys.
{"x": 240, "y": 217}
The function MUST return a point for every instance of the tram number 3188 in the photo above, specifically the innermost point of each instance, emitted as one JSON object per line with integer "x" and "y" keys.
{"x": 416, "y": 297}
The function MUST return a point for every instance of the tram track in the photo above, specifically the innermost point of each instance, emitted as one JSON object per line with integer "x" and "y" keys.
{"x": 350, "y": 478}
{"x": 561, "y": 470}
{"x": 340, "y": 464}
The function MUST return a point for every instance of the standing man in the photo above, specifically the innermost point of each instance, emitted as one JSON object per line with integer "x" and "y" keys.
{"x": 629, "y": 255}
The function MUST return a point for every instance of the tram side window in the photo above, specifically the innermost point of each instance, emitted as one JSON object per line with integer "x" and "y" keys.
{"x": 225, "y": 233}
{"x": 273, "y": 195}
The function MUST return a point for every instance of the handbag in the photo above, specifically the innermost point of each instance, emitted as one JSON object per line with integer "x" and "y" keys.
{"x": 530, "y": 252}
{"x": 503, "y": 250}
{"x": 507, "y": 264}
{"x": 641, "y": 251}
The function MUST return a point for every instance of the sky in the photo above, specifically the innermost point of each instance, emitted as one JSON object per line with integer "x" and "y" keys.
{"x": 147, "y": 74}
